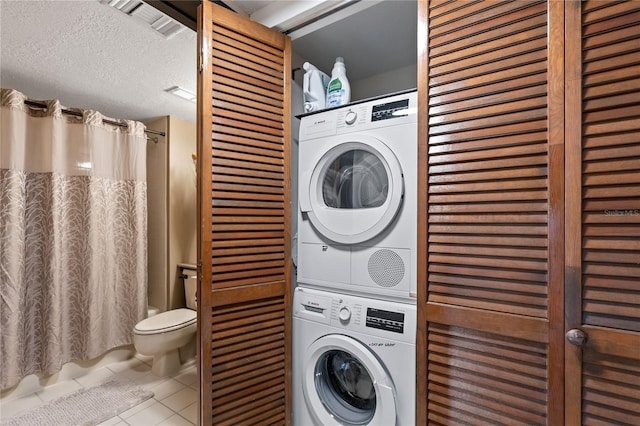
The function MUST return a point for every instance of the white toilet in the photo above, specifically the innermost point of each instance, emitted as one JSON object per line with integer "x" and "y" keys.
{"x": 163, "y": 335}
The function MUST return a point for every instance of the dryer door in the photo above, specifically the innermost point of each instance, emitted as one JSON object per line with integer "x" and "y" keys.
{"x": 344, "y": 383}
{"x": 354, "y": 191}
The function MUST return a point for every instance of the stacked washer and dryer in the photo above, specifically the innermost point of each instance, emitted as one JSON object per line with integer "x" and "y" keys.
{"x": 354, "y": 310}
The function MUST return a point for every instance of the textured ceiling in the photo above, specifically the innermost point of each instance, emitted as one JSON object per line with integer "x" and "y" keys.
{"x": 93, "y": 56}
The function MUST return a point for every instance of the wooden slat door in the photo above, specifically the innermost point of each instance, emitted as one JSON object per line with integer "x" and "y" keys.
{"x": 603, "y": 214}
{"x": 490, "y": 298}
{"x": 243, "y": 211}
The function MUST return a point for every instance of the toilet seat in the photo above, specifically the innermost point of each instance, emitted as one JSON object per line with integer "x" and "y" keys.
{"x": 164, "y": 322}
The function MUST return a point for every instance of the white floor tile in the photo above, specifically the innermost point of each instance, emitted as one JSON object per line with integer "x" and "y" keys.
{"x": 181, "y": 399}
{"x": 167, "y": 388}
{"x": 188, "y": 376}
{"x": 175, "y": 401}
{"x": 129, "y": 364}
{"x": 58, "y": 390}
{"x": 190, "y": 413}
{"x": 176, "y": 420}
{"x": 15, "y": 405}
{"x": 152, "y": 415}
{"x": 135, "y": 410}
{"x": 112, "y": 422}
{"x": 101, "y": 375}
{"x": 135, "y": 372}
{"x": 151, "y": 381}
{"x": 145, "y": 380}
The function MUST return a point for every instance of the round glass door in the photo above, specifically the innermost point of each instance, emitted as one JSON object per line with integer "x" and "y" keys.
{"x": 344, "y": 383}
{"x": 354, "y": 191}
{"x": 345, "y": 388}
{"x": 355, "y": 179}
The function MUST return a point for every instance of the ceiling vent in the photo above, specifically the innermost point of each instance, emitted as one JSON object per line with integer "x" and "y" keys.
{"x": 182, "y": 93}
{"x": 166, "y": 26}
{"x": 125, "y": 6}
{"x": 158, "y": 21}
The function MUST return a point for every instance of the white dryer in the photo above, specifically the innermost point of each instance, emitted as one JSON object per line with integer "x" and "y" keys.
{"x": 353, "y": 360}
{"x": 357, "y": 190}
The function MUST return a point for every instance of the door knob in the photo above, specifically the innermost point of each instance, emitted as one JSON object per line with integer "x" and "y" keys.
{"x": 577, "y": 337}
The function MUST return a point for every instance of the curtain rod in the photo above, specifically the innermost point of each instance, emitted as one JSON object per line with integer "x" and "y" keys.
{"x": 79, "y": 114}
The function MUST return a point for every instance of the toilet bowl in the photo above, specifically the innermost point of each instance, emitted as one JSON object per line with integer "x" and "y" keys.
{"x": 163, "y": 335}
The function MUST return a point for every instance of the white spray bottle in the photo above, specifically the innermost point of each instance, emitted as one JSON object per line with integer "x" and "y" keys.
{"x": 314, "y": 87}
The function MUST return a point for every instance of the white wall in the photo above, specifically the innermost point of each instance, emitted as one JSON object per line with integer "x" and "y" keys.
{"x": 182, "y": 205}
{"x": 171, "y": 185}
{"x": 157, "y": 202}
{"x": 388, "y": 82}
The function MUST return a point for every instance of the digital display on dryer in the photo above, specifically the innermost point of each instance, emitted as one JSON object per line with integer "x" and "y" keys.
{"x": 385, "y": 320}
{"x": 390, "y": 110}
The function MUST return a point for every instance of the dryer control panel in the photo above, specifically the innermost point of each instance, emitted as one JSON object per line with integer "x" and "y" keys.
{"x": 360, "y": 116}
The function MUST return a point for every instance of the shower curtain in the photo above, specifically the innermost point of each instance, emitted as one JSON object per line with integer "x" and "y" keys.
{"x": 73, "y": 236}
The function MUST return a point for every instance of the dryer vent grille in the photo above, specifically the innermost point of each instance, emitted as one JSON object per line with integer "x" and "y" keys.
{"x": 386, "y": 268}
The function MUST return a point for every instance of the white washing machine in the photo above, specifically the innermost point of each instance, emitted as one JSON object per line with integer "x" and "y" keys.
{"x": 353, "y": 360}
{"x": 357, "y": 190}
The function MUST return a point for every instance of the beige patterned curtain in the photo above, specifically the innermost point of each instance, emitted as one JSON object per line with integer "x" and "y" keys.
{"x": 73, "y": 236}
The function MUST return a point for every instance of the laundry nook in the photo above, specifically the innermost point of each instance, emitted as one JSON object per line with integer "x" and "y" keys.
{"x": 320, "y": 212}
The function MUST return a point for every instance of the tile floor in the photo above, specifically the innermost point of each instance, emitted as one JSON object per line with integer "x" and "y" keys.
{"x": 175, "y": 401}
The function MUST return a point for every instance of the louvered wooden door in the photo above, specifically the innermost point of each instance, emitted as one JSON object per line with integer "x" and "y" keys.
{"x": 603, "y": 214}
{"x": 491, "y": 302}
{"x": 243, "y": 206}
{"x": 531, "y": 209}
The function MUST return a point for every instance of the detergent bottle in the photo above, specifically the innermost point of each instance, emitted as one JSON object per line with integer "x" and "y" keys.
{"x": 339, "y": 90}
{"x": 314, "y": 87}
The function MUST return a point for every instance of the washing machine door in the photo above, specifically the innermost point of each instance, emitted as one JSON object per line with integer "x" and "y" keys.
{"x": 344, "y": 383}
{"x": 354, "y": 191}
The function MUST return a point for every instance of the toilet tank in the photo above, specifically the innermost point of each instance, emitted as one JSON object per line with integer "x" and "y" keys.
{"x": 190, "y": 281}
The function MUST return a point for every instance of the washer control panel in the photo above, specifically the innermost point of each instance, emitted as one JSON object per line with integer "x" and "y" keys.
{"x": 342, "y": 312}
{"x": 346, "y": 311}
{"x": 355, "y": 115}
{"x": 389, "y": 110}
{"x": 385, "y": 320}
{"x": 350, "y": 117}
